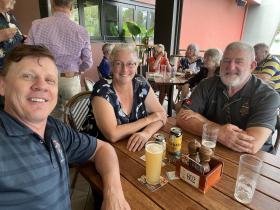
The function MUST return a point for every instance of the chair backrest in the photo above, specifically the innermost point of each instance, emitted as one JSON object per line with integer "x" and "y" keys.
{"x": 76, "y": 110}
{"x": 89, "y": 84}
{"x": 277, "y": 142}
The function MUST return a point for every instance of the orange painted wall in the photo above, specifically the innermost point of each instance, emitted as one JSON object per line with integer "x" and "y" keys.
{"x": 211, "y": 23}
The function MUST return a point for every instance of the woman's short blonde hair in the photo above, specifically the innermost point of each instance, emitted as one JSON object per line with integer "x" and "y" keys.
{"x": 127, "y": 47}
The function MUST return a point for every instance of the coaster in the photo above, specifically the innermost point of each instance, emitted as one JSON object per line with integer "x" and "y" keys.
{"x": 144, "y": 159}
{"x": 163, "y": 181}
{"x": 171, "y": 175}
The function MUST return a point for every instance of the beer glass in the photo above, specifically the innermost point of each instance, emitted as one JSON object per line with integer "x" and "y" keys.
{"x": 248, "y": 174}
{"x": 153, "y": 153}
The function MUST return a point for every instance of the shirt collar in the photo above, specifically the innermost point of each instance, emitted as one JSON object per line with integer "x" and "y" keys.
{"x": 61, "y": 14}
{"x": 14, "y": 127}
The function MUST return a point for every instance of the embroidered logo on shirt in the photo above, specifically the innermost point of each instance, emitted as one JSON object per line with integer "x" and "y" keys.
{"x": 58, "y": 149}
{"x": 244, "y": 109}
{"x": 188, "y": 101}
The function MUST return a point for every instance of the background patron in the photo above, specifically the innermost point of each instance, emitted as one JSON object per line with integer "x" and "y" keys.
{"x": 70, "y": 45}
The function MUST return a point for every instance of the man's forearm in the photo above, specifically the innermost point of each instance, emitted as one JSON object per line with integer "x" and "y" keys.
{"x": 191, "y": 121}
{"x": 107, "y": 165}
{"x": 193, "y": 125}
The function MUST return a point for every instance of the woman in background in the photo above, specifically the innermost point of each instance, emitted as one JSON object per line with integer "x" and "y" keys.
{"x": 156, "y": 62}
{"x": 212, "y": 58}
{"x": 191, "y": 61}
{"x": 128, "y": 107}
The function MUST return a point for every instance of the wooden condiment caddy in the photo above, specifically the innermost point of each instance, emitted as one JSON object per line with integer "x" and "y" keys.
{"x": 192, "y": 172}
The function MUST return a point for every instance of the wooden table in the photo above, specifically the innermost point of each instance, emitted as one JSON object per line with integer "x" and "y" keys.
{"x": 179, "y": 195}
{"x": 168, "y": 81}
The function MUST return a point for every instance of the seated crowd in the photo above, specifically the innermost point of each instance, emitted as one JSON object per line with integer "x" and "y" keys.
{"x": 241, "y": 105}
{"x": 230, "y": 96}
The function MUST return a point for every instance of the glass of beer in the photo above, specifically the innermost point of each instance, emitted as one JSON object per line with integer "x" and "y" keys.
{"x": 153, "y": 153}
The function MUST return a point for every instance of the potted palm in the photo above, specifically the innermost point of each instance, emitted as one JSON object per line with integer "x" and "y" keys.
{"x": 138, "y": 31}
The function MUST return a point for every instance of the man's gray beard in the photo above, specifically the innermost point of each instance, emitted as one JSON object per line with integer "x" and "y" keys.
{"x": 232, "y": 83}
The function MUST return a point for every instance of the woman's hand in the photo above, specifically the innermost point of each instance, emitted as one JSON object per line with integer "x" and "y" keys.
{"x": 7, "y": 33}
{"x": 137, "y": 141}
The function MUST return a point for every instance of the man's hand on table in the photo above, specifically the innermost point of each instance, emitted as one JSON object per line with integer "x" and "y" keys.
{"x": 235, "y": 138}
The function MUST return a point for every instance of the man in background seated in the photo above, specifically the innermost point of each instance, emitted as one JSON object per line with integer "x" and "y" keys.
{"x": 35, "y": 148}
{"x": 104, "y": 66}
{"x": 268, "y": 66}
{"x": 241, "y": 105}
{"x": 70, "y": 45}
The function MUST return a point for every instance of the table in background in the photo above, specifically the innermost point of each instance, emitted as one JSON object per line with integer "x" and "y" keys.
{"x": 179, "y": 79}
{"x": 177, "y": 194}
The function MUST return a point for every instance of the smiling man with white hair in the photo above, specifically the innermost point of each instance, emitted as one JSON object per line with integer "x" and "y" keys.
{"x": 241, "y": 105}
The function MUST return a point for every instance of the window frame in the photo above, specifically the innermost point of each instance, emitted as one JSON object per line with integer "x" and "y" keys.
{"x": 119, "y": 4}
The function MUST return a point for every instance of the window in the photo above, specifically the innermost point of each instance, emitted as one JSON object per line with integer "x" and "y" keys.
{"x": 92, "y": 20}
{"x": 275, "y": 47}
{"x": 141, "y": 18}
{"x": 126, "y": 14}
{"x": 104, "y": 20}
{"x": 111, "y": 20}
{"x": 75, "y": 12}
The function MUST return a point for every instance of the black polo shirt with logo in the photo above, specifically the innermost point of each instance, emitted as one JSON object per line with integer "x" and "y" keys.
{"x": 34, "y": 171}
{"x": 255, "y": 105}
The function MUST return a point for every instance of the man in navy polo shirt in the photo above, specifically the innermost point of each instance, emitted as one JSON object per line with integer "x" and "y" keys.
{"x": 241, "y": 105}
{"x": 35, "y": 149}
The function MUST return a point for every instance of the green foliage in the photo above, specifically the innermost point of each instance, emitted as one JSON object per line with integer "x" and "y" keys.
{"x": 136, "y": 30}
{"x": 114, "y": 29}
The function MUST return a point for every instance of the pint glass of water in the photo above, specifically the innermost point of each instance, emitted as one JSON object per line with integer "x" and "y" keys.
{"x": 248, "y": 174}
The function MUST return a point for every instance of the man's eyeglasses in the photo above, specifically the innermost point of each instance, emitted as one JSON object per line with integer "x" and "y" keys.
{"x": 120, "y": 64}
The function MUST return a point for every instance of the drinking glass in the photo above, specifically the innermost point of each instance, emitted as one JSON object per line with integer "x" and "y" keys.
{"x": 209, "y": 135}
{"x": 153, "y": 153}
{"x": 163, "y": 71}
{"x": 248, "y": 174}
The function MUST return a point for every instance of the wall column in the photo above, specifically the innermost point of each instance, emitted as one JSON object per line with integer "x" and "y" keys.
{"x": 167, "y": 24}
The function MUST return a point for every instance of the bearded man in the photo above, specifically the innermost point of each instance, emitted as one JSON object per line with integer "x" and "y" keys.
{"x": 242, "y": 106}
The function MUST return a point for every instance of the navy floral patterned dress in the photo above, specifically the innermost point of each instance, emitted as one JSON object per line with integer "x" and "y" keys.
{"x": 105, "y": 90}
{"x": 8, "y": 21}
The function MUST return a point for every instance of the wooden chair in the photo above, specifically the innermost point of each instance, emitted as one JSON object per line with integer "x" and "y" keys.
{"x": 88, "y": 84}
{"x": 76, "y": 111}
{"x": 277, "y": 142}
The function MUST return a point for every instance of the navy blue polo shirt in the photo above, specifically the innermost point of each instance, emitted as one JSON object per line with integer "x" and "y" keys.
{"x": 34, "y": 171}
{"x": 255, "y": 105}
